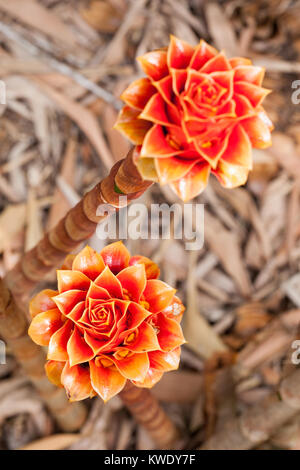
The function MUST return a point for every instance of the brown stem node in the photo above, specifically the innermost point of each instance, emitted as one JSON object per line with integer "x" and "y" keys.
{"x": 77, "y": 225}
{"x": 128, "y": 178}
{"x": 60, "y": 239}
{"x": 48, "y": 254}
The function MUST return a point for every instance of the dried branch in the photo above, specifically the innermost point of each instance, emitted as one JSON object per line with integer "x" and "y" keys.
{"x": 271, "y": 342}
{"x": 61, "y": 67}
{"x": 258, "y": 423}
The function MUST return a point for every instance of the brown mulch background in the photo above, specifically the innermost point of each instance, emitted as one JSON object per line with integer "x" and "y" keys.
{"x": 57, "y": 141}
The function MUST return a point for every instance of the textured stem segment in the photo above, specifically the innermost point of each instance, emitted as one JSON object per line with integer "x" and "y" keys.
{"x": 13, "y": 329}
{"x": 147, "y": 411}
{"x": 78, "y": 225}
{"x": 260, "y": 422}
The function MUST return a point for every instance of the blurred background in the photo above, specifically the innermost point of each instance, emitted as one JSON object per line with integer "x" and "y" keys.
{"x": 64, "y": 65}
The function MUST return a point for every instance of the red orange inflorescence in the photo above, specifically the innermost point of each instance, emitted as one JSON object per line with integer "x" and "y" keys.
{"x": 110, "y": 321}
{"x": 195, "y": 113}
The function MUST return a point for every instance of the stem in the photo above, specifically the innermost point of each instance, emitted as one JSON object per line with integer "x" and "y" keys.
{"x": 148, "y": 412}
{"x": 13, "y": 329}
{"x": 78, "y": 225}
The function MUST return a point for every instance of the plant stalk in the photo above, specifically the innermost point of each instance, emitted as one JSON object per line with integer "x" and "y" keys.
{"x": 77, "y": 226}
{"x": 149, "y": 414}
{"x": 13, "y": 330}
